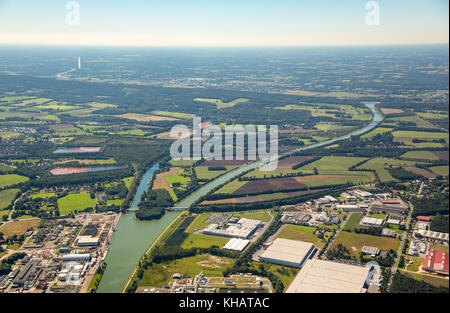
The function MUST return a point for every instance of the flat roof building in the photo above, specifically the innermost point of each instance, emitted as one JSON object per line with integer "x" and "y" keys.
{"x": 389, "y": 206}
{"x": 87, "y": 241}
{"x": 350, "y": 208}
{"x": 436, "y": 262}
{"x": 372, "y": 221}
{"x": 244, "y": 228}
{"x": 287, "y": 252}
{"x": 372, "y": 251}
{"x": 236, "y": 244}
{"x": 422, "y": 233}
{"x": 319, "y": 276}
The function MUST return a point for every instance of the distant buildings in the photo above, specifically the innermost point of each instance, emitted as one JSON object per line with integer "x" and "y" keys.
{"x": 292, "y": 253}
{"x": 350, "y": 208}
{"x": 436, "y": 262}
{"x": 76, "y": 257}
{"x": 318, "y": 276}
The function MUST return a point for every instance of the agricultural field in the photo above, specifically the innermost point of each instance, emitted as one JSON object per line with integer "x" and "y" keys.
{"x": 11, "y": 179}
{"x": 380, "y": 165}
{"x": 7, "y": 196}
{"x": 420, "y": 155}
{"x": 231, "y": 187}
{"x": 377, "y": 131}
{"x": 8, "y": 134}
{"x": 6, "y": 169}
{"x": 75, "y": 202}
{"x": 182, "y": 163}
{"x": 43, "y": 194}
{"x": 220, "y": 104}
{"x": 333, "y": 164}
{"x": 204, "y": 173}
{"x": 3, "y": 213}
{"x": 174, "y": 114}
{"x": 432, "y": 116}
{"x": 286, "y": 274}
{"x": 18, "y": 227}
{"x": 302, "y": 233}
{"x": 203, "y": 241}
{"x": 161, "y": 181}
{"x": 146, "y": 117}
{"x": 439, "y": 170}
{"x": 160, "y": 274}
{"x": 354, "y": 242}
{"x": 419, "y": 135}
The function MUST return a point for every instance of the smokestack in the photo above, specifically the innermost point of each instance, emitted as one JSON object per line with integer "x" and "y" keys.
{"x": 79, "y": 62}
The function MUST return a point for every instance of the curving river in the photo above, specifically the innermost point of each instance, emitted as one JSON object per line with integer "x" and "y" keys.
{"x": 133, "y": 237}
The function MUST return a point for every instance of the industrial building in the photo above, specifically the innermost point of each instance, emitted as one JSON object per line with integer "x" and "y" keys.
{"x": 372, "y": 221}
{"x": 389, "y": 206}
{"x": 243, "y": 228}
{"x": 318, "y": 276}
{"x": 236, "y": 244}
{"x": 87, "y": 241}
{"x": 417, "y": 247}
{"x": 350, "y": 208}
{"x": 421, "y": 233}
{"x": 372, "y": 251}
{"x": 388, "y": 233}
{"x": 76, "y": 257}
{"x": 287, "y": 252}
{"x": 436, "y": 262}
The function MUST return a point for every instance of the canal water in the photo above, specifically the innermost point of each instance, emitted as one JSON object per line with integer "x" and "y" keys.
{"x": 130, "y": 241}
{"x": 132, "y": 237}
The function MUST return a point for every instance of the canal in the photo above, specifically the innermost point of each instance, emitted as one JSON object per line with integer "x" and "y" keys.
{"x": 133, "y": 237}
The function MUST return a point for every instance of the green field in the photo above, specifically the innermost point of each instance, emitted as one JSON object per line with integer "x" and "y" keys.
{"x": 179, "y": 178}
{"x": 182, "y": 163}
{"x": 380, "y": 165}
{"x": 174, "y": 114}
{"x": 262, "y": 216}
{"x": 377, "y": 131}
{"x": 231, "y": 186}
{"x": 352, "y": 240}
{"x": 3, "y": 213}
{"x": 432, "y": 116}
{"x": 160, "y": 274}
{"x": 301, "y": 233}
{"x": 128, "y": 181}
{"x": 420, "y": 155}
{"x": 419, "y": 134}
{"x": 439, "y": 170}
{"x": 203, "y": 172}
{"x": 198, "y": 223}
{"x": 43, "y": 195}
{"x": 7, "y": 196}
{"x": 353, "y": 221}
{"x": 11, "y": 179}
{"x": 333, "y": 164}
{"x": 6, "y": 169}
{"x": 203, "y": 241}
{"x": 78, "y": 201}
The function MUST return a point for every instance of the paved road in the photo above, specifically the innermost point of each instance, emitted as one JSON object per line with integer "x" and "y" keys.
{"x": 341, "y": 226}
{"x": 403, "y": 237}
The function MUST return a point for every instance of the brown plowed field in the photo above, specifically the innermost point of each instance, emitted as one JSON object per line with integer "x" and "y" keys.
{"x": 274, "y": 184}
{"x": 443, "y": 155}
{"x": 288, "y": 163}
{"x": 420, "y": 171}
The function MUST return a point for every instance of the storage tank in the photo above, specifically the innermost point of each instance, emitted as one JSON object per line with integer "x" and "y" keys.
{"x": 62, "y": 277}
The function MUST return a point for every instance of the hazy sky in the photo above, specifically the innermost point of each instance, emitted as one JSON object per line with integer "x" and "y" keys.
{"x": 223, "y": 22}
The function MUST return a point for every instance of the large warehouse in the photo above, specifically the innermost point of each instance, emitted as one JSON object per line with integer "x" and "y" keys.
{"x": 287, "y": 252}
{"x": 318, "y": 276}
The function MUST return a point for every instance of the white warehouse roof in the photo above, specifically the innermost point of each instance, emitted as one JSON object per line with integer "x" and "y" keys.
{"x": 236, "y": 244}
{"x": 287, "y": 252}
{"x": 318, "y": 276}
